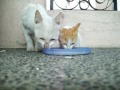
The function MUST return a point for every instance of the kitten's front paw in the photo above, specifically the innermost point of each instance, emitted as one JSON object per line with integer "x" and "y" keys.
{"x": 30, "y": 49}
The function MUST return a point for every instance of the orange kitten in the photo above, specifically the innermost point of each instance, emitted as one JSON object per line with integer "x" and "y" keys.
{"x": 70, "y": 37}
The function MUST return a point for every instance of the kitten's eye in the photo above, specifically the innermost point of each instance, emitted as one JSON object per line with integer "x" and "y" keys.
{"x": 52, "y": 39}
{"x": 72, "y": 43}
{"x": 42, "y": 39}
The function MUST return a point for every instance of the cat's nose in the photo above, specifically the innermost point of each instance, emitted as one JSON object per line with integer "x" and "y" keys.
{"x": 69, "y": 48}
{"x": 46, "y": 45}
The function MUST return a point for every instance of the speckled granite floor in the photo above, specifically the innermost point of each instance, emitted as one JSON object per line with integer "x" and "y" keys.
{"x": 21, "y": 70}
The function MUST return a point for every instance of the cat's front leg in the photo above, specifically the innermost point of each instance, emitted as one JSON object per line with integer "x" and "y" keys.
{"x": 37, "y": 46}
{"x": 29, "y": 41}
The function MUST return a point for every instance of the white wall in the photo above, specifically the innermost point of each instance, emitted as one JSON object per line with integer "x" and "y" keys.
{"x": 98, "y": 28}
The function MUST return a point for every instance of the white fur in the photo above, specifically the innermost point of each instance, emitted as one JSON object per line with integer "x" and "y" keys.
{"x": 47, "y": 28}
{"x": 78, "y": 42}
{"x": 67, "y": 27}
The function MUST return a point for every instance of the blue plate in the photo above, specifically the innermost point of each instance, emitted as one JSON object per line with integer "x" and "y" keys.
{"x": 74, "y": 51}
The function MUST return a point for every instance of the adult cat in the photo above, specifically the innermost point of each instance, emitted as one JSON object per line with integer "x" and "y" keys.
{"x": 40, "y": 30}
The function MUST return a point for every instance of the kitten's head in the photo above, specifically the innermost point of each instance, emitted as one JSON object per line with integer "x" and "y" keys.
{"x": 47, "y": 29}
{"x": 68, "y": 36}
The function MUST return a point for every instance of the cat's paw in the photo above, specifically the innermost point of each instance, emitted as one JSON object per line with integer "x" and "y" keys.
{"x": 37, "y": 49}
{"x": 30, "y": 49}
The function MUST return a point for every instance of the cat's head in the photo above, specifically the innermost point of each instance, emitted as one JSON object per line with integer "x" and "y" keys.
{"x": 47, "y": 29}
{"x": 68, "y": 36}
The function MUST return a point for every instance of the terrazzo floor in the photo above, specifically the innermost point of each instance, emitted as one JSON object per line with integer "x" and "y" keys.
{"x": 22, "y": 70}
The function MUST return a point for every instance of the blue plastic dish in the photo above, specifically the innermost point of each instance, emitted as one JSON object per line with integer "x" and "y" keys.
{"x": 74, "y": 51}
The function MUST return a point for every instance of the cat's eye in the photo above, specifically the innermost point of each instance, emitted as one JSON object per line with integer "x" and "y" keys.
{"x": 42, "y": 39}
{"x": 52, "y": 39}
{"x": 65, "y": 44}
{"x": 72, "y": 43}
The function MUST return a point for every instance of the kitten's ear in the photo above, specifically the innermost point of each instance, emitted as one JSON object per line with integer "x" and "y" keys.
{"x": 76, "y": 26}
{"x": 38, "y": 17}
{"x": 58, "y": 18}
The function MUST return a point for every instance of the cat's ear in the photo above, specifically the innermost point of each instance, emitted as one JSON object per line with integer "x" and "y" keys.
{"x": 38, "y": 17}
{"x": 76, "y": 26}
{"x": 58, "y": 18}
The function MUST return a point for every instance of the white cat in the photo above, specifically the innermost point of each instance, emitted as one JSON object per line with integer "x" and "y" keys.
{"x": 40, "y": 30}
